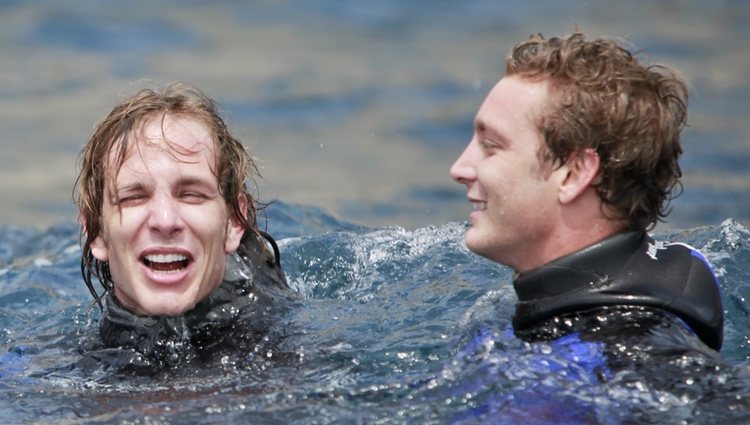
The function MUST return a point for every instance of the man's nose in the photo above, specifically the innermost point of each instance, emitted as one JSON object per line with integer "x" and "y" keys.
{"x": 463, "y": 170}
{"x": 164, "y": 214}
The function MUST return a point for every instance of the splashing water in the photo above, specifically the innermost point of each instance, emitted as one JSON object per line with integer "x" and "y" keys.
{"x": 381, "y": 336}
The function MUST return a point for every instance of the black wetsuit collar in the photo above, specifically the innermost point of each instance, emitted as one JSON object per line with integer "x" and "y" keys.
{"x": 120, "y": 327}
{"x": 591, "y": 265}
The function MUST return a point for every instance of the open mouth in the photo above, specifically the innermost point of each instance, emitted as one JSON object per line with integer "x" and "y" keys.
{"x": 478, "y": 206}
{"x": 166, "y": 262}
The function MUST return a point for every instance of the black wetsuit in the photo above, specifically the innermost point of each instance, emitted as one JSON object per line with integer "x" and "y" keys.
{"x": 652, "y": 310}
{"x": 233, "y": 317}
{"x": 627, "y": 272}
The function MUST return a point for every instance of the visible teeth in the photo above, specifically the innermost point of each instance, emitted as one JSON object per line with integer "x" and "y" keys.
{"x": 479, "y": 205}
{"x": 166, "y": 258}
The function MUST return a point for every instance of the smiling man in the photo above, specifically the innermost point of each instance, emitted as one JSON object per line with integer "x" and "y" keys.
{"x": 163, "y": 201}
{"x": 166, "y": 228}
{"x": 573, "y": 159}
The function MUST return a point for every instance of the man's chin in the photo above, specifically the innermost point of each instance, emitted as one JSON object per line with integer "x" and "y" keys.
{"x": 478, "y": 245}
{"x": 166, "y": 307}
{"x": 473, "y": 241}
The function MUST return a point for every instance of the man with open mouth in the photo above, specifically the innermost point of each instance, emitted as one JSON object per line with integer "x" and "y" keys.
{"x": 163, "y": 200}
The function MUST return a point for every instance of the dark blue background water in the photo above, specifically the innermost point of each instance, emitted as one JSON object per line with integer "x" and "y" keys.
{"x": 357, "y": 107}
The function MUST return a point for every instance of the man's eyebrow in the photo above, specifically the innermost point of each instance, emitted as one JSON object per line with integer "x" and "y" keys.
{"x": 117, "y": 192}
{"x": 130, "y": 187}
{"x": 198, "y": 181}
{"x": 491, "y": 132}
{"x": 479, "y": 125}
{"x": 494, "y": 134}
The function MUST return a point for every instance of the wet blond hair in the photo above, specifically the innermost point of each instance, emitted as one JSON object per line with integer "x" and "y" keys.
{"x": 630, "y": 114}
{"x": 103, "y": 156}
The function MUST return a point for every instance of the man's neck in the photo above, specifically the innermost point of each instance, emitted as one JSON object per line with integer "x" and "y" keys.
{"x": 570, "y": 237}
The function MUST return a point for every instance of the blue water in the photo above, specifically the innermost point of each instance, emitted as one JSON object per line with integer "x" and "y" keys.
{"x": 380, "y": 337}
{"x": 357, "y": 107}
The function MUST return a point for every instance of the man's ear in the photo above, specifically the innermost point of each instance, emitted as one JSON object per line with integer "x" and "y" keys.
{"x": 582, "y": 170}
{"x": 235, "y": 231}
{"x": 99, "y": 248}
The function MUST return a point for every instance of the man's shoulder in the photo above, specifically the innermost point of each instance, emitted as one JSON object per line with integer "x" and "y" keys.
{"x": 625, "y": 333}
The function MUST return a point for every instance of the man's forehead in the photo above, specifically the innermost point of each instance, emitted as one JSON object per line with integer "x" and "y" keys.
{"x": 177, "y": 133}
{"x": 172, "y": 133}
{"x": 178, "y": 139}
{"x": 515, "y": 98}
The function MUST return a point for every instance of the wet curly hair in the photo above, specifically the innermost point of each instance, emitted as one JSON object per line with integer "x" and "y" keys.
{"x": 107, "y": 149}
{"x": 629, "y": 113}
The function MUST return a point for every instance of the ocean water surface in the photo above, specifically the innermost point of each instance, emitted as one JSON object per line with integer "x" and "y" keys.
{"x": 380, "y": 336}
{"x": 355, "y": 111}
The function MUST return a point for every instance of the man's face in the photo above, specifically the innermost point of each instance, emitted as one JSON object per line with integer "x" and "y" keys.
{"x": 513, "y": 194}
{"x": 165, "y": 226}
